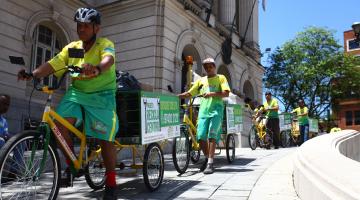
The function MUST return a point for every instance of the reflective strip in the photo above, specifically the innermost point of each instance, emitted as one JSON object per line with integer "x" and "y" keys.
{"x": 113, "y": 127}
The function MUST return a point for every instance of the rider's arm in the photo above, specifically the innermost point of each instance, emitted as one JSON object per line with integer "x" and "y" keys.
{"x": 274, "y": 107}
{"x": 225, "y": 89}
{"x": 43, "y": 70}
{"x": 193, "y": 91}
{"x": 217, "y": 94}
{"x": 106, "y": 62}
{"x": 184, "y": 95}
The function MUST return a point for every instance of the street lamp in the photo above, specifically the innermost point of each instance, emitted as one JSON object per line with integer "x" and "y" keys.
{"x": 356, "y": 29}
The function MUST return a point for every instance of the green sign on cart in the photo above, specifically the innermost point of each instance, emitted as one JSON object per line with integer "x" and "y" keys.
{"x": 234, "y": 118}
{"x": 285, "y": 121}
{"x": 160, "y": 117}
{"x": 313, "y": 125}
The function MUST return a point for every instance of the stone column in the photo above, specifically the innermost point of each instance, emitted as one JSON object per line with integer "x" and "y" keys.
{"x": 227, "y": 9}
{"x": 245, "y": 8}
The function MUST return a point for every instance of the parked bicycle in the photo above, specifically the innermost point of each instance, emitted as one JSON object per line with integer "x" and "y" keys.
{"x": 259, "y": 135}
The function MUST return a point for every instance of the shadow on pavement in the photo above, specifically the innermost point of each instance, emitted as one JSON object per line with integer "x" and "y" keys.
{"x": 136, "y": 190}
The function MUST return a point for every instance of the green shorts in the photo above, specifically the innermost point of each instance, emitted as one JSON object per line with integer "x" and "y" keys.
{"x": 209, "y": 127}
{"x": 100, "y": 122}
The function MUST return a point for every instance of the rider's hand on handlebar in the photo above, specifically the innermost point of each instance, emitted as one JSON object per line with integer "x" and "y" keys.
{"x": 22, "y": 75}
{"x": 207, "y": 95}
{"x": 90, "y": 70}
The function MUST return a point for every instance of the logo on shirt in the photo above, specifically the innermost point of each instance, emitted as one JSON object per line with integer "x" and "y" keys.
{"x": 109, "y": 50}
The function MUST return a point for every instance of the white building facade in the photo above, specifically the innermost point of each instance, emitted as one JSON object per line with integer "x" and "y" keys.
{"x": 151, "y": 37}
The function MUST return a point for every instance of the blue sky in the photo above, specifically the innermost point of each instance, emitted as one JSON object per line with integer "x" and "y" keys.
{"x": 283, "y": 19}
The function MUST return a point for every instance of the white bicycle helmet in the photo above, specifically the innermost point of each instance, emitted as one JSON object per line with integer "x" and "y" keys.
{"x": 87, "y": 15}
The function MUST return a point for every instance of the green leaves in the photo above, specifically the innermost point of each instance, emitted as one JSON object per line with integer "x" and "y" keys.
{"x": 306, "y": 67}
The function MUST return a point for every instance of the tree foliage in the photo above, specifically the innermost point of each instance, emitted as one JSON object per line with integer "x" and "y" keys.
{"x": 306, "y": 67}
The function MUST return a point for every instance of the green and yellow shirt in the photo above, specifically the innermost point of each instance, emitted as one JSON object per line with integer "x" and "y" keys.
{"x": 101, "y": 48}
{"x": 213, "y": 105}
{"x": 271, "y": 113}
{"x": 303, "y": 119}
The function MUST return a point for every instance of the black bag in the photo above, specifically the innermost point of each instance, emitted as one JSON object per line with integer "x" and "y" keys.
{"x": 126, "y": 81}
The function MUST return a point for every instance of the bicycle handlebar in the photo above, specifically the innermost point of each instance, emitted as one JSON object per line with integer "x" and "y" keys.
{"x": 72, "y": 69}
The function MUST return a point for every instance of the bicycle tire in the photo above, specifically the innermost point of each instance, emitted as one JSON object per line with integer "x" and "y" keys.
{"x": 230, "y": 148}
{"x": 181, "y": 151}
{"x": 20, "y": 161}
{"x": 155, "y": 167}
{"x": 253, "y": 138}
{"x": 95, "y": 171}
{"x": 285, "y": 138}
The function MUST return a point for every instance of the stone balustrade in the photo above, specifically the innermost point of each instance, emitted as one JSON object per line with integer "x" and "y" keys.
{"x": 327, "y": 167}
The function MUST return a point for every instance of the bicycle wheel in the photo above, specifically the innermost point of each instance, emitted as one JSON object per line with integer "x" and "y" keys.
{"x": 230, "y": 148}
{"x": 95, "y": 169}
{"x": 153, "y": 166}
{"x": 285, "y": 139}
{"x": 194, "y": 154}
{"x": 181, "y": 151}
{"x": 21, "y": 160}
{"x": 253, "y": 138}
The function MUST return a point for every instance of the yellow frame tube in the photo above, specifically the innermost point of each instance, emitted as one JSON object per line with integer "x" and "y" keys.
{"x": 47, "y": 117}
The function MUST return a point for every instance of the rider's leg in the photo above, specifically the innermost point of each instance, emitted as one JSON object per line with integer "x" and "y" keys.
{"x": 204, "y": 147}
{"x": 65, "y": 133}
{"x": 277, "y": 132}
{"x": 212, "y": 146}
{"x": 302, "y": 134}
{"x": 108, "y": 152}
{"x": 306, "y": 132}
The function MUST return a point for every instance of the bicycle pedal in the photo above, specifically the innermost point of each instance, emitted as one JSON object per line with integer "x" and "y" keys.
{"x": 66, "y": 182}
{"x": 79, "y": 173}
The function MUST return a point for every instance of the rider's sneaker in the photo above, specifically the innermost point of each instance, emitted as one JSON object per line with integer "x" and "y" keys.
{"x": 66, "y": 179}
{"x": 203, "y": 166}
{"x": 209, "y": 169}
{"x": 109, "y": 193}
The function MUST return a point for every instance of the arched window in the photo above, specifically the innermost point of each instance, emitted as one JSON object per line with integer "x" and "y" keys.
{"x": 248, "y": 90}
{"x": 45, "y": 46}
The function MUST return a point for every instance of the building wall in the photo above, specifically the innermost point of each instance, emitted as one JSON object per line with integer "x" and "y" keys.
{"x": 349, "y": 35}
{"x": 150, "y": 38}
{"x": 17, "y": 23}
{"x": 349, "y": 106}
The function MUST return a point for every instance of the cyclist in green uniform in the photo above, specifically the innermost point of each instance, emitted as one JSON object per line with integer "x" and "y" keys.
{"x": 213, "y": 88}
{"x": 303, "y": 118}
{"x": 271, "y": 108}
{"x": 93, "y": 91}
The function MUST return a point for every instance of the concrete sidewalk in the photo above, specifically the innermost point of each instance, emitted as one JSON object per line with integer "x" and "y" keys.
{"x": 260, "y": 174}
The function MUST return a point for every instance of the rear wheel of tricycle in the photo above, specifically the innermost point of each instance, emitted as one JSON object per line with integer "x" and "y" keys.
{"x": 181, "y": 151}
{"x": 153, "y": 166}
{"x": 230, "y": 148}
{"x": 95, "y": 169}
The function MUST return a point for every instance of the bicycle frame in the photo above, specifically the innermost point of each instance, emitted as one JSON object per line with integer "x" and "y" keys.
{"x": 48, "y": 115}
{"x": 260, "y": 129}
{"x": 192, "y": 131}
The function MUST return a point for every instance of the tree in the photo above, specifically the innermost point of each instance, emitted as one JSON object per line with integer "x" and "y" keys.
{"x": 306, "y": 67}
